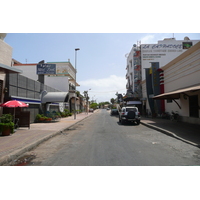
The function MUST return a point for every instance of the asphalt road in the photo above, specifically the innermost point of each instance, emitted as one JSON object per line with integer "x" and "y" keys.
{"x": 101, "y": 140}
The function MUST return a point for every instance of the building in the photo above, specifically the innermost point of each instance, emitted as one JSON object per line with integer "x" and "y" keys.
{"x": 61, "y": 72}
{"x": 154, "y": 57}
{"x": 44, "y": 86}
{"x": 133, "y": 76}
{"x": 182, "y": 85}
{"x": 5, "y": 66}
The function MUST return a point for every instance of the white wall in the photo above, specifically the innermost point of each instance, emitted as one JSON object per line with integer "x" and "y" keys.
{"x": 182, "y": 74}
{"x": 60, "y": 83}
{"x": 163, "y": 52}
{"x": 28, "y": 70}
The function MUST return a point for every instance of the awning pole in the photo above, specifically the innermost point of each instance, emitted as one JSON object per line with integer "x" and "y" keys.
{"x": 176, "y": 103}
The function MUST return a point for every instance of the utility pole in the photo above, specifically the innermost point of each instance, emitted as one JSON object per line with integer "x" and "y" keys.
{"x": 77, "y": 49}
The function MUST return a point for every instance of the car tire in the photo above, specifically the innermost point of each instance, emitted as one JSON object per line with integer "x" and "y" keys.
{"x": 138, "y": 122}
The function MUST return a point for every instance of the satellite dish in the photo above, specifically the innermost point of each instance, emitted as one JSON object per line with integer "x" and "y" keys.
{"x": 186, "y": 38}
{"x": 2, "y": 35}
{"x": 126, "y": 55}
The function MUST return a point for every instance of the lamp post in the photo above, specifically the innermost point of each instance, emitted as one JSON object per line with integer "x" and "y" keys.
{"x": 77, "y": 49}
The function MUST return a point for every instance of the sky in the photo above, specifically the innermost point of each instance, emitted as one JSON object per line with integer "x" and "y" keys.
{"x": 105, "y": 32}
{"x": 101, "y": 61}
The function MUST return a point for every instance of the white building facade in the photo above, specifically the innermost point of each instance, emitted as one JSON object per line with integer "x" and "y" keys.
{"x": 161, "y": 53}
{"x": 133, "y": 74}
{"x": 61, "y": 80}
{"x": 182, "y": 85}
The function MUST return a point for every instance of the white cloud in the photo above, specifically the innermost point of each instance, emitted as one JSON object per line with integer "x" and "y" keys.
{"x": 103, "y": 89}
{"x": 148, "y": 39}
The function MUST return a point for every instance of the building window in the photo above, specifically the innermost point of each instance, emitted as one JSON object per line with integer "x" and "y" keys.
{"x": 169, "y": 101}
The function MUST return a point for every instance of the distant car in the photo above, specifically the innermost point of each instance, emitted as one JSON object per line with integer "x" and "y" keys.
{"x": 114, "y": 112}
{"x": 108, "y": 108}
{"x": 91, "y": 110}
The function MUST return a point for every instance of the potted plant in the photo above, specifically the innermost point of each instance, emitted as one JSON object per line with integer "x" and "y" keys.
{"x": 48, "y": 119}
{"x": 6, "y": 124}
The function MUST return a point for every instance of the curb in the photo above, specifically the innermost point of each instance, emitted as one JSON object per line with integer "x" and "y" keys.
{"x": 17, "y": 153}
{"x": 169, "y": 133}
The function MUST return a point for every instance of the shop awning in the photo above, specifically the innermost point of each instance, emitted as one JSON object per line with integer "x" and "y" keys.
{"x": 50, "y": 97}
{"x": 8, "y": 69}
{"x": 176, "y": 94}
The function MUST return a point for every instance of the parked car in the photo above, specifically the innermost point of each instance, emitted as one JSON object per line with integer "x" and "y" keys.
{"x": 129, "y": 114}
{"x": 114, "y": 112}
{"x": 91, "y": 110}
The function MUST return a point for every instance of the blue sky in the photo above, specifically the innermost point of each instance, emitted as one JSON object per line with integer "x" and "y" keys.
{"x": 103, "y": 30}
{"x": 101, "y": 60}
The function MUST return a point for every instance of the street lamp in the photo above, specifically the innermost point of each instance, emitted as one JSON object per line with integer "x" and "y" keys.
{"x": 77, "y": 49}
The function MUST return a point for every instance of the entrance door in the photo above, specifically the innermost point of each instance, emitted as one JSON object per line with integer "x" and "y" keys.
{"x": 194, "y": 106}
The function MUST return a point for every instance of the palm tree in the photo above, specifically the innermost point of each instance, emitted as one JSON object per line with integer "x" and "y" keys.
{"x": 112, "y": 100}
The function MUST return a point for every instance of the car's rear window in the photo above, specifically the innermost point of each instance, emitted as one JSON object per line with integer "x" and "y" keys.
{"x": 131, "y": 109}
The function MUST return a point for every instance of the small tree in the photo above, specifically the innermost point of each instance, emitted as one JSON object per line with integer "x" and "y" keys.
{"x": 112, "y": 100}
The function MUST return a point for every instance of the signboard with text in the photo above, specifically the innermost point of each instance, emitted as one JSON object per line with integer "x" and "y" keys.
{"x": 46, "y": 69}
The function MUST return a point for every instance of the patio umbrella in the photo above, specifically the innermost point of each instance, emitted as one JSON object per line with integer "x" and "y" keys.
{"x": 13, "y": 104}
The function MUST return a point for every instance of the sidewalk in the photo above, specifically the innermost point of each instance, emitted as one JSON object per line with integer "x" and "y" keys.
{"x": 189, "y": 133}
{"x": 25, "y": 139}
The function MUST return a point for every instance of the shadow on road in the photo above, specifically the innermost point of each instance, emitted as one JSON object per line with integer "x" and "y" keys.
{"x": 127, "y": 124}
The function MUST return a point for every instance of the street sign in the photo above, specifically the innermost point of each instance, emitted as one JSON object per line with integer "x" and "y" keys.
{"x": 46, "y": 69}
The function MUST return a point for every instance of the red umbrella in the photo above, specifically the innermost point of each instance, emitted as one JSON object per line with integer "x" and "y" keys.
{"x": 13, "y": 104}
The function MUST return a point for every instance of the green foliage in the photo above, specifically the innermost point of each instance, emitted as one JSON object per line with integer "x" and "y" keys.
{"x": 6, "y": 118}
{"x": 42, "y": 118}
{"x": 6, "y": 121}
{"x": 112, "y": 100}
{"x": 101, "y": 104}
{"x": 94, "y": 105}
{"x": 4, "y": 126}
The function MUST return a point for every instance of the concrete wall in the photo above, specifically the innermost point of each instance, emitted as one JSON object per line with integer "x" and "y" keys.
{"x": 183, "y": 73}
{"x": 5, "y": 53}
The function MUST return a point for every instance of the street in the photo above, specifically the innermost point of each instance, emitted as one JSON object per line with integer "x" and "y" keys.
{"x": 100, "y": 140}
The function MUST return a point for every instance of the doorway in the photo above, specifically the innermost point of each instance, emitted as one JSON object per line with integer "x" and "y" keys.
{"x": 194, "y": 106}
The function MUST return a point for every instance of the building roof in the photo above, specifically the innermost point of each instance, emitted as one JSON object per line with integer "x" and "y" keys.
{"x": 49, "y": 97}
{"x": 8, "y": 69}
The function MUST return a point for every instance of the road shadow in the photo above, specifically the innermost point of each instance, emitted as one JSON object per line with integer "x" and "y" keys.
{"x": 186, "y": 131}
{"x": 127, "y": 124}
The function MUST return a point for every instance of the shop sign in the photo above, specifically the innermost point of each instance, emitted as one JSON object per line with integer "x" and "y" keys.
{"x": 46, "y": 69}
